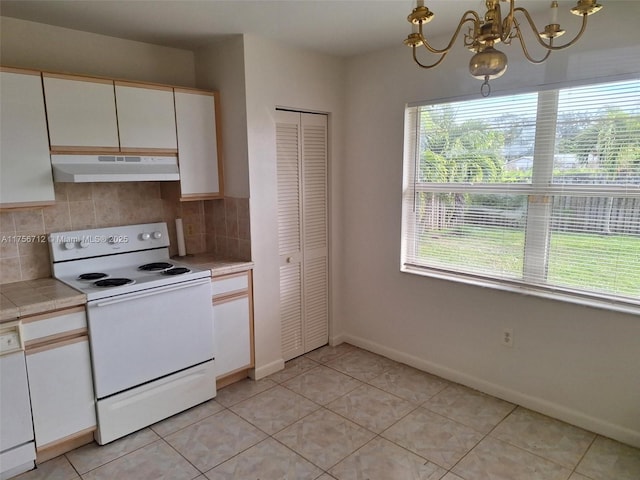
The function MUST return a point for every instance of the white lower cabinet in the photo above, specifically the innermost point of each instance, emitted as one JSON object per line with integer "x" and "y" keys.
{"x": 60, "y": 379}
{"x": 233, "y": 320}
{"x": 233, "y": 342}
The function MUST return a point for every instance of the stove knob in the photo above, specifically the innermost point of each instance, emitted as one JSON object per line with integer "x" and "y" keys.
{"x": 145, "y": 236}
{"x": 69, "y": 245}
{"x": 157, "y": 235}
{"x": 84, "y": 244}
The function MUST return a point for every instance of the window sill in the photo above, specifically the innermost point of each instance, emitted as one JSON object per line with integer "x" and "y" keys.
{"x": 614, "y": 305}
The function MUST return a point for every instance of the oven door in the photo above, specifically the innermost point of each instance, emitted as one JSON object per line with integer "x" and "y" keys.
{"x": 142, "y": 336}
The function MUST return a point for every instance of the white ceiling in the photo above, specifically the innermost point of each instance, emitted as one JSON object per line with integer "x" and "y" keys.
{"x": 338, "y": 27}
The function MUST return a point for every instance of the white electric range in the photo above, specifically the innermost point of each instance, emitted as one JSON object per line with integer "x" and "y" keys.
{"x": 150, "y": 323}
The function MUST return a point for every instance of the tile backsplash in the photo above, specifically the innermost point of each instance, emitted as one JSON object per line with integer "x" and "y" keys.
{"x": 220, "y": 226}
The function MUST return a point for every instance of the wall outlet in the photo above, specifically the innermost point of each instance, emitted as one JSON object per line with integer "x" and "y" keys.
{"x": 507, "y": 337}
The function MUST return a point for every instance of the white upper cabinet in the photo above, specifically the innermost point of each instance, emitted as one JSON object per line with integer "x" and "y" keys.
{"x": 25, "y": 168}
{"x": 146, "y": 118}
{"x": 99, "y": 115}
{"x": 81, "y": 113}
{"x": 198, "y": 144}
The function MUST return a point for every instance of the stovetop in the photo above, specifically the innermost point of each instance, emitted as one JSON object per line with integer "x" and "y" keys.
{"x": 78, "y": 263}
{"x": 124, "y": 267}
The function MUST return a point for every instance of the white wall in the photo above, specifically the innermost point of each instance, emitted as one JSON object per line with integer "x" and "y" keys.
{"x": 281, "y": 76}
{"x": 44, "y": 47}
{"x": 576, "y": 363}
{"x": 221, "y": 67}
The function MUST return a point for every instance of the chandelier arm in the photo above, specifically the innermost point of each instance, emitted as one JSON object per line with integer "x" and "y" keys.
{"x": 463, "y": 20}
{"x": 415, "y": 59}
{"x": 524, "y": 46}
{"x": 508, "y": 23}
{"x": 549, "y": 46}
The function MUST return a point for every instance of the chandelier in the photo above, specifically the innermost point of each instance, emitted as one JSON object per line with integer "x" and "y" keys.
{"x": 485, "y": 32}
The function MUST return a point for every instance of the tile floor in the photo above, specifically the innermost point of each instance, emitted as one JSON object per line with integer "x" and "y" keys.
{"x": 345, "y": 413}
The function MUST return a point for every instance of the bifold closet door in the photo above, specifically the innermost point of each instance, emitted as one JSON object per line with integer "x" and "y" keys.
{"x": 301, "y": 140}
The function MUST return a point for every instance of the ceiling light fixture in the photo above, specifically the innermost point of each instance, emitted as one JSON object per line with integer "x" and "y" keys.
{"x": 485, "y": 32}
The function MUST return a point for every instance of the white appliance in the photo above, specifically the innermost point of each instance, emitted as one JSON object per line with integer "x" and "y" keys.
{"x": 150, "y": 324}
{"x": 17, "y": 447}
{"x": 113, "y": 168}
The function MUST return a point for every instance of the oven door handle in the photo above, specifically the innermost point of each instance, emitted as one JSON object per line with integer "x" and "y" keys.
{"x": 154, "y": 291}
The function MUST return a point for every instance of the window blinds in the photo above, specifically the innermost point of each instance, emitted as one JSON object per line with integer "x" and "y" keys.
{"x": 539, "y": 189}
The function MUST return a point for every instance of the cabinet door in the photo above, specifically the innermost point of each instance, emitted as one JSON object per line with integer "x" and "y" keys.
{"x": 232, "y": 329}
{"x": 81, "y": 113}
{"x": 61, "y": 387}
{"x": 25, "y": 166}
{"x": 198, "y": 145}
{"x": 146, "y": 118}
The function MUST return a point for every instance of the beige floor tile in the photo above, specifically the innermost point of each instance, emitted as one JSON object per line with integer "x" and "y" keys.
{"x": 452, "y": 476}
{"x": 215, "y": 439}
{"x": 544, "y": 436}
{"x": 410, "y": 383}
{"x": 327, "y": 353}
{"x": 274, "y": 409}
{"x": 322, "y": 384}
{"x": 93, "y": 455}
{"x": 156, "y": 461}
{"x": 382, "y": 460}
{"x": 433, "y": 437}
{"x": 425, "y": 425}
{"x": 57, "y": 468}
{"x": 469, "y": 407}
{"x": 361, "y": 364}
{"x": 186, "y": 418}
{"x": 497, "y": 460}
{"x": 371, "y": 408}
{"x": 607, "y": 459}
{"x": 324, "y": 438}
{"x": 242, "y": 390}
{"x": 268, "y": 460}
{"x": 292, "y": 368}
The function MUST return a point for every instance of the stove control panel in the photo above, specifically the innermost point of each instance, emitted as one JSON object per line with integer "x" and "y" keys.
{"x": 147, "y": 236}
{"x": 81, "y": 244}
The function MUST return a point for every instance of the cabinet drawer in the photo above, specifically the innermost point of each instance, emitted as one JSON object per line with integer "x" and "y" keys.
{"x": 228, "y": 284}
{"x": 53, "y": 324}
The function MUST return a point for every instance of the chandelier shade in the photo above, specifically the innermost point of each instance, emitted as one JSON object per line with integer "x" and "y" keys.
{"x": 483, "y": 32}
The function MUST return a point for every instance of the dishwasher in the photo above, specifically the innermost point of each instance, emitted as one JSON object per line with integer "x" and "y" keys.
{"x": 17, "y": 446}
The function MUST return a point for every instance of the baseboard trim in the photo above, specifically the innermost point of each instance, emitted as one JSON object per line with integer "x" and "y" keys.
{"x": 266, "y": 370}
{"x": 337, "y": 340}
{"x": 560, "y": 412}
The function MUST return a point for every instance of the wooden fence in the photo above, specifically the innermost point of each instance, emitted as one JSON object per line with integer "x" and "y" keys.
{"x": 602, "y": 215}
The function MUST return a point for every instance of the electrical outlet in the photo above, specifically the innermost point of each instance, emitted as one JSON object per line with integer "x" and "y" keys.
{"x": 507, "y": 337}
{"x": 189, "y": 229}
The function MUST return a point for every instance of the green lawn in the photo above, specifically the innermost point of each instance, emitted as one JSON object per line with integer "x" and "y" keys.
{"x": 575, "y": 260}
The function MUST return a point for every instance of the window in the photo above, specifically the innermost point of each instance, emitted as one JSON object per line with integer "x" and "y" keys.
{"x": 538, "y": 192}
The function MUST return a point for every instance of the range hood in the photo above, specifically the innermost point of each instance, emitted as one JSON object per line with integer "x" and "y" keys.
{"x": 113, "y": 168}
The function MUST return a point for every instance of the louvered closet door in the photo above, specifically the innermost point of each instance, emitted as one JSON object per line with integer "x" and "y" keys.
{"x": 302, "y": 228}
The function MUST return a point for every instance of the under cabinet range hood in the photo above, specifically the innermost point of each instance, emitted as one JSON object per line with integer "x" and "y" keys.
{"x": 113, "y": 168}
